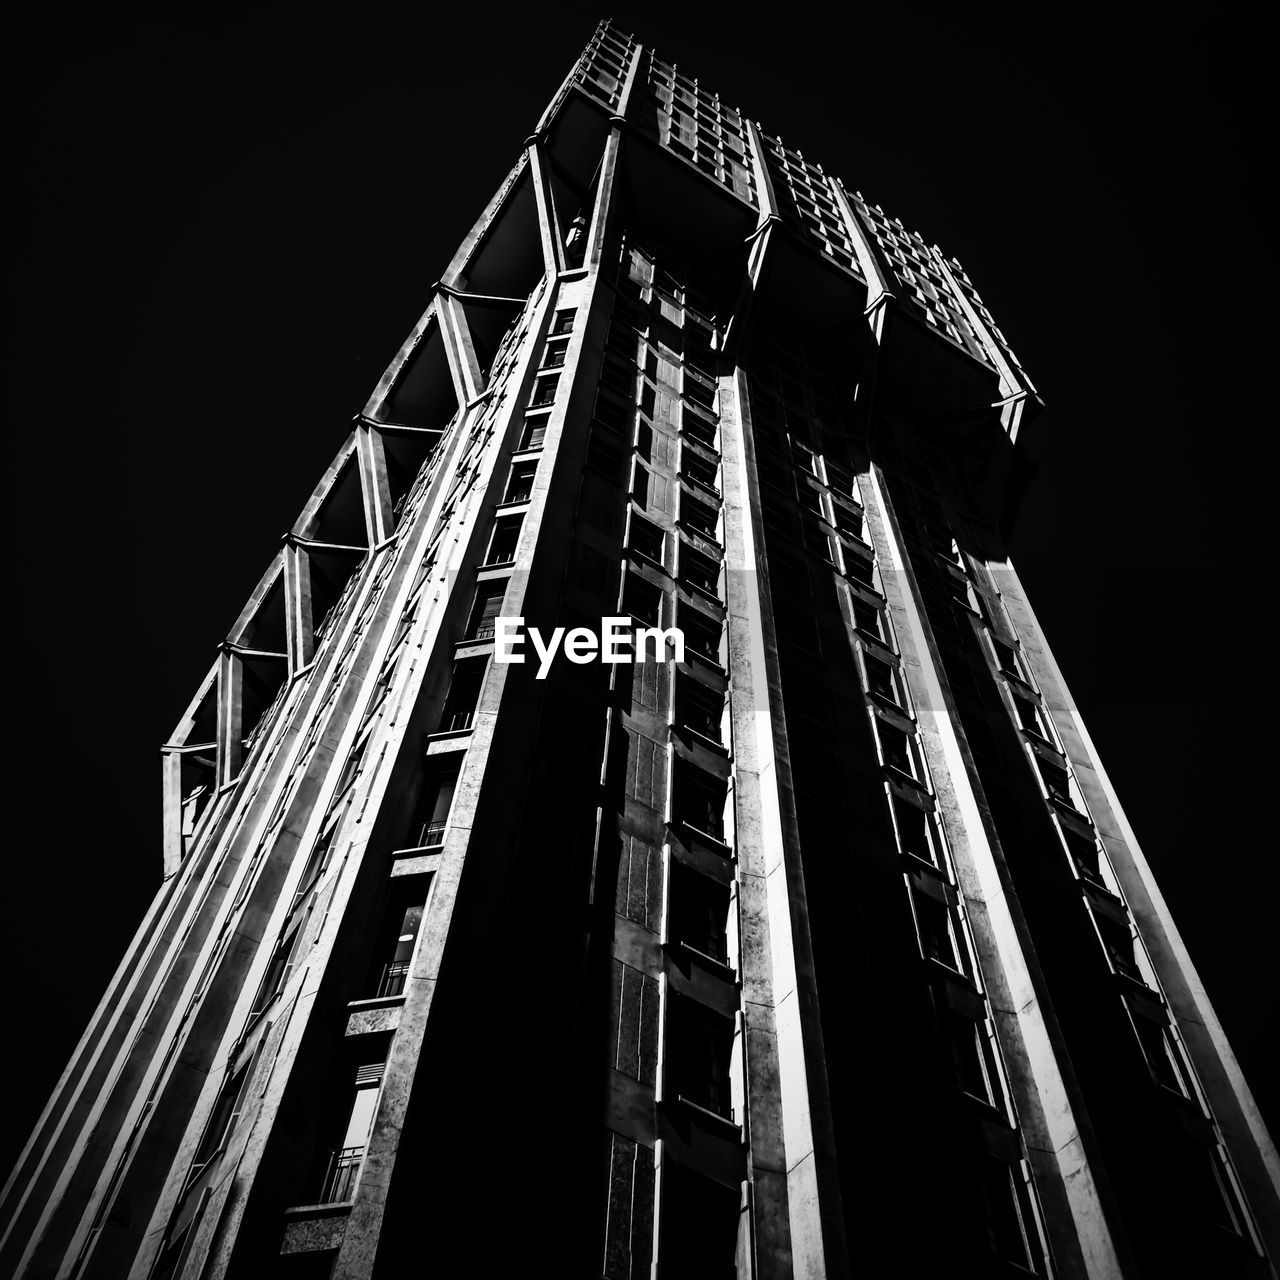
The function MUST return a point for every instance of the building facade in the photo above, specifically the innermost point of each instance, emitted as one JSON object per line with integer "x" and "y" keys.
{"x": 816, "y": 945}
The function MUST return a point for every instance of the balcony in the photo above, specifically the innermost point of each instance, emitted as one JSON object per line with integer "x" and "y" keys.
{"x": 341, "y": 1174}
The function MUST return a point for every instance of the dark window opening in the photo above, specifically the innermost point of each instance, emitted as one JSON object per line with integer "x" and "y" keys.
{"x": 699, "y": 470}
{"x": 698, "y": 1050}
{"x": 1086, "y": 854}
{"x": 702, "y": 635}
{"x": 699, "y": 571}
{"x": 1009, "y": 1216}
{"x": 697, "y": 515}
{"x": 397, "y": 936}
{"x": 647, "y": 539}
{"x": 938, "y": 928}
{"x": 1163, "y": 1055}
{"x": 643, "y": 601}
{"x": 433, "y": 809}
{"x": 464, "y": 693}
{"x": 1056, "y": 780}
{"x": 487, "y": 607}
{"x": 1117, "y": 938}
{"x": 700, "y": 708}
{"x": 881, "y": 679}
{"x": 563, "y": 323}
{"x": 896, "y": 747}
{"x": 344, "y": 1161}
{"x": 544, "y": 391}
{"x": 504, "y": 540}
{"x": 520, "y": 482}
{"x": 917, "y": 834}
{"x": 973, "y": 1058}
{"x": 535, "y": 431}
{"x": 553, "y": 357}
{"x": 699, "y": 1227}
{"x": 701, "y": 801}
{"x": 866, "y": 617}
{"x": 698, "y": 913}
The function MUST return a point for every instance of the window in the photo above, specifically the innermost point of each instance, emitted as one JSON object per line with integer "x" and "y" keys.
{"x": 699, "y": 707}
{"x": 647, "y": 539}
{"x": 860, "y": 567}
{"x": 697, "y": 570}
{"x": 699, "y": 1232}
{"x": 917, "y": 832}
{"x": 1117, "y": 938}
{"x": 850, "y": 522}
{"x": 397, "y": 937}
{"x": 643, "y": 601}
{"x": 1086, "y": 854}
{"x": 973, "y": 1056}
{"x": 433, "y": 810}
{"x": 520, "y": 482}
{"x": 343, "y": 1166}
{"x": 699, "y": 516}
{"x": 700, "y": 801}
{"x": 882, "y": 680}
{"x": 487, "y": 607}
{"x": 1032, "y": 717}
{"x": 698, "y": 1048}
{"x": 1057, "y": 781}
{"x": 698, "y": 428}
{"x": 544, "y": 390}
{"x": 563, "y": 323}
{"x": 702, "y": 635}
{"x": 535, "y": 431}
{"x": 867, "y": 619}
{"x": 1010, "y": 661}
{"x": 553, "y": 357}
{"x": 937, "y": 927}
{"x": 503, "y": 540}
{"x": 896, "y": 747}
{"x": 464, "y": 693}
{"x": 1011, "y": 1229}
{"x": 698, "y": 913}
{"x": 701, "y": 471}
{"x": 1161, "y": 1049}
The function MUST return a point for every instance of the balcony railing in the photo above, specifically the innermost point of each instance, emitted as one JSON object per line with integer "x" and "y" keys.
{"x": 341, "y": 1174}
{"x": 432, "y": 834}
{"x": 394, "y": 976}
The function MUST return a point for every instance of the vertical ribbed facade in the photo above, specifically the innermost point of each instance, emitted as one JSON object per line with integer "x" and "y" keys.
{"x": 809, "y": 939}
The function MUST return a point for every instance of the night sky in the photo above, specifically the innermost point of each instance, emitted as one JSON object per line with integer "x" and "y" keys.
{"x": 222, "y": 230}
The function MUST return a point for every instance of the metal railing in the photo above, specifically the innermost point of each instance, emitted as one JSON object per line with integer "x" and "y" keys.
{"x": 393, "y": 978}
{"x": 341, "y": 1173}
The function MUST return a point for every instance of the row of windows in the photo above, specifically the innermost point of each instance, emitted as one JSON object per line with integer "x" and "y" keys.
{"x": 1154, "y": 1030}
{"x": 833, "y": 524}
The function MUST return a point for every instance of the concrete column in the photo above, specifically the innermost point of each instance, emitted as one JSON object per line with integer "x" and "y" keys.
{"x": 230, "y": 716}
{"x": 798, "y": 1218}
{"x": 374, "y": 486}
{"x": 299, "y": 623}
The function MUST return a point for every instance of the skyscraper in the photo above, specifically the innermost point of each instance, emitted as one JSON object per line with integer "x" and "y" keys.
{"x": 830, "y": 930}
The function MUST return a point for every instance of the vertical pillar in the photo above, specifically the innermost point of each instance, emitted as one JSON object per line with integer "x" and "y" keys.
{"x": 230, "y": 715}
{"x": 797, "y": 1214}
{"x": 299, "y": 623}
{"x": 375, "y": 490}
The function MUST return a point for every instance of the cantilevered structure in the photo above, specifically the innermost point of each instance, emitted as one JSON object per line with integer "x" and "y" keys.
{"x": 825, "y": 949}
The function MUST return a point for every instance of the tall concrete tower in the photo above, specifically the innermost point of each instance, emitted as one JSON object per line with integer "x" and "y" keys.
{"x": 806, "y": 938}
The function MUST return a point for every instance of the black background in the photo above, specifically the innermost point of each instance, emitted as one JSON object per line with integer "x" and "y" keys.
{"x": 222, "y": 227}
